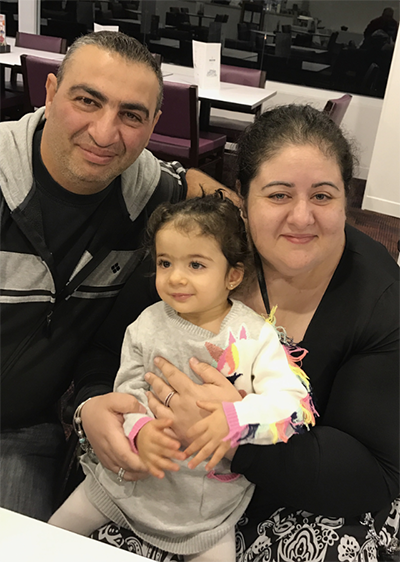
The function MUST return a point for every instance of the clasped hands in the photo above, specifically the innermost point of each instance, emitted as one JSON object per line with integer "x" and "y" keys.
{"x": 157, "y": 448}
{"x": 194, "y": 413}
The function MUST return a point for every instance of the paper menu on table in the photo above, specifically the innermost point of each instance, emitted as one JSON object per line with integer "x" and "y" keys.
{"x": 97, "y": 27}
{"x": 3, "y": 30}
{"x": 207, "y": 64}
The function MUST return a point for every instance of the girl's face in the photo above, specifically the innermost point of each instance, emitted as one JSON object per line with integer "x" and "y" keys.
{"x": 193, "y": 275}
{"x": 296, "y": 210}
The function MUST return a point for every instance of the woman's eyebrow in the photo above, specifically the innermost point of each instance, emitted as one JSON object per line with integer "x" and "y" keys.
{"x": 276, "y": 183}
{"x": 289, "y": 184}
{"x": 321, "y": 183}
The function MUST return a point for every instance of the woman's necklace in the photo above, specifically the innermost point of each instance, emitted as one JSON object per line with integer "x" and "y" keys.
{"x": 261, "y": 282}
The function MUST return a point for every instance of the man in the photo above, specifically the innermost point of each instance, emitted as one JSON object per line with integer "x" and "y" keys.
{"x": 385, "y": 22}
{"x": 76, "y": 188}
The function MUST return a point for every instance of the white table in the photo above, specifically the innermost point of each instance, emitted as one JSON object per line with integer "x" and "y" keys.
{"x": 13, "y": 58}
{"x": 230, "y": 94}
{"x": 28, "y": 540}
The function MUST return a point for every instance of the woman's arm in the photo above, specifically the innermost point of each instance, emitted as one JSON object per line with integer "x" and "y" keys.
{"x": 349, "y": 463}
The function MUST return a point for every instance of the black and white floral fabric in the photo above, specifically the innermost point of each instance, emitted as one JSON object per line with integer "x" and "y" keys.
{"x": 289, "y": 536}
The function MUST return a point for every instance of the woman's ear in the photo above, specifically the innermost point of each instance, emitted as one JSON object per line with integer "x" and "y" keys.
{"x": 234, "y": 277}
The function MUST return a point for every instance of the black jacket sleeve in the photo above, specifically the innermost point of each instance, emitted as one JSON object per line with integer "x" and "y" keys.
{"x": 99, "y": 364}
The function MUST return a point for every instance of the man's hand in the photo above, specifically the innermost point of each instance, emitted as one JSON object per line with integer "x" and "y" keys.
{"x": 156, "y": 448}
{"x": 102, "y": 420}
{"x": 183, "y": 409}
{"x": 208, "y": 436}
{"x": 197, "y": 181}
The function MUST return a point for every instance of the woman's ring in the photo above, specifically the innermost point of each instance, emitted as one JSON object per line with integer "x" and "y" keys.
{"x": 168, "y": 398}
{"x": 120, "y": 475}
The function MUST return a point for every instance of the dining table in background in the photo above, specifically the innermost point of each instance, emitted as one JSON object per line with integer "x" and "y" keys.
{"x": 233, "y": 95}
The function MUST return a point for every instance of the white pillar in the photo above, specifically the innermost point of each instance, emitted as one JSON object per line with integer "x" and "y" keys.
{"x": 29, "y": 16}
{"x": 382, "y": 193}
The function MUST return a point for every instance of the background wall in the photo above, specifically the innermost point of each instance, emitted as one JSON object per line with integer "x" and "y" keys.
{"x": 382, "y": 193}
{"x": 28, "y": 16}
{"x": 360, "y": 121}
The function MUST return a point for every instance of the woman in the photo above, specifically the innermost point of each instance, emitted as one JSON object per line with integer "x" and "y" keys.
{"x": 324, "y": 494}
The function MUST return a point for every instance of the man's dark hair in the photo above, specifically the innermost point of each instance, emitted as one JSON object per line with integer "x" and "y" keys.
{"x": 116, "y": 42}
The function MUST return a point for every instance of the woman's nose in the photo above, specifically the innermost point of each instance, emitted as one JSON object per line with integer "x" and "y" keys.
{"x": 301, "y": 214}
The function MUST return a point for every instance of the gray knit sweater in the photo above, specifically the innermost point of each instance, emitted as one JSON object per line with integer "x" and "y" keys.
{"x": 188, "y": 512}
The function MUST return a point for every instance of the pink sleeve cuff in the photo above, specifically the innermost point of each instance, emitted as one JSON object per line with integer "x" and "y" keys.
{"x": 135, "y": 430}
{"x": 235, "y": 429}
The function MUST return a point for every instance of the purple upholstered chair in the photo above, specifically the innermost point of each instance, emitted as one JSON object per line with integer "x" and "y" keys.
{"x": 35, "y": 71}
{"x": 244, "y": 76}
{"x": 176, "y": 135}
{"x": 228, "y": 124}
{"x": 336, "y": 108}
{"x": 41, "y": 42}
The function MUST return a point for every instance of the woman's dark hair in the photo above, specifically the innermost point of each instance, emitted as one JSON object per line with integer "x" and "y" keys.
{"x": 288, "y": 125}
{"x": 213, "y": 216}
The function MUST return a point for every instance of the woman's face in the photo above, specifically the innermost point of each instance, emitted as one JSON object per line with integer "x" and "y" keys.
{"x": 296, "y": 210}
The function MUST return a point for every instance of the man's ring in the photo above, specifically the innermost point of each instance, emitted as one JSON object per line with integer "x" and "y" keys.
{"x": 120, "y": 475}
{"x": 168, "y": 398}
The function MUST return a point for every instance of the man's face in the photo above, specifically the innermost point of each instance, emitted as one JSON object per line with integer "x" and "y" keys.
{"x": 98, "y": 120}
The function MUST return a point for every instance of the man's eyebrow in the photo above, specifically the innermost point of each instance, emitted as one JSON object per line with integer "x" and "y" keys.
{"x": 127, "y": 106}
{"x": 91, "y": 91}
{"x": 135, "y": 107}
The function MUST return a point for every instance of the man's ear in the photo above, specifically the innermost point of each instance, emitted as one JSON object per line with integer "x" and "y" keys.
{"x": 51, "y": 89}
{"x": 235, "y": 277}
{"x": 155, "y": 121}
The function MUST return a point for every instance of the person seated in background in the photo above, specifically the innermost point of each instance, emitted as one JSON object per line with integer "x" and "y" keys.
{"x": 385, "y": 22}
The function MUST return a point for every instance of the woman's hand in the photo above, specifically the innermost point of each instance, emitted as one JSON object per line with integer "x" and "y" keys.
{"x": 209, "y": 437}
{"x": 102, "y": 420}
{"x": 183, "y": 409}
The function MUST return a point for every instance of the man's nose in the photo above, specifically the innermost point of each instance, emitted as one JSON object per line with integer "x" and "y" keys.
{"x": 104, "y": 128}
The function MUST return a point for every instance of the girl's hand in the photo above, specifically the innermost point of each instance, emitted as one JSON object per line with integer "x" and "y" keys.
{"x": 156, "y": 448}
{"x": 208, "y": 436}
{"x": 183, "y": 408}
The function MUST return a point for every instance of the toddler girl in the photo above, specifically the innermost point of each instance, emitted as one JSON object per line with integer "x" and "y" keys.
{"x": 189, "y": 505}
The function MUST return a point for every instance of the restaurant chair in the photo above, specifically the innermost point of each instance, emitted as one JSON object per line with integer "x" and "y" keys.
{"x": 227, "y": 123}
{"x": 39, "y": 43}
{"x": 336, "y": 108}
{"x": 369, "y": 82}
{"x": 176, "y": 135}
{"x": 12, "y": 105}
{"x": 158, "y": 58}
{"x": 35, "y": 71}
{"x": 223, "y": 18}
